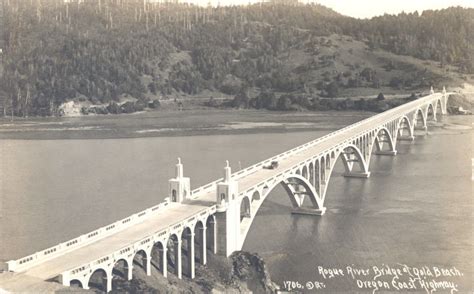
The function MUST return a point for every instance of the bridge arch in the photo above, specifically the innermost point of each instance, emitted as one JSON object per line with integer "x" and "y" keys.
{"x": 379, "y": 143}
{"x": 430, "y": 113}
{"x": 255, "y": 195}
{"x": 288, "y": 181}
{"x": 211, "y": 237}
{"x": 404, "y": 124}
{"x": 121, "y": 270}
{"x": 304, "y": 172}
{"x": 200, "y": 242}
{"x": 244, "y": 208}
{"x": 140, "y": 258}
{"x": 76, "y": 283}
{"x": 158, "y": 257}
{"x": 419, "y": 119}
{"x": 99, "y": 279}
{"x": 187, "y": 251}
{"x": 350, "y": 155}
{"x": 173, "y": 256}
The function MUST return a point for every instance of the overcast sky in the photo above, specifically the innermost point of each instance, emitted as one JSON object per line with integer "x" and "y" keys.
{"x": 370, "y": 8}
{"x": 364, "y": 8}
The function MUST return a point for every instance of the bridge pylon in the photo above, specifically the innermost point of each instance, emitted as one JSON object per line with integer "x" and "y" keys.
{"x": 227, "y": 214}
{"x": 180, "y": 186}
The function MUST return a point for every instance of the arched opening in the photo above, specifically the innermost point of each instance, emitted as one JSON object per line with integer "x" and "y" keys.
{"x": 158, "y": 258}
{"x": 311, "y": 173}
{"x": 323, "y": 171}
{"x": 211, "y": 233}
{"x": 328, "y": 161}
{"x": 297, "y": 189}
{"x": 383, "y": 142}
{"x": 119, "y": 273}
{"x": 244, "y": 208}
{"x": 438, "y": 109}
{"x": 173, "y": 196}
{"x": 304, "y": 173}
{"x": 430, "y": 114}
{"x": 404, "y": 129}
{"x": 317, "y": 176}
{"x": 187, "y": 252}
{"x": 419, "y": 122}
{"x": 255, "y": 196}
{"x": 98, "y": 280}
{"x": 200, "y": 243}
{"x": 75, "y": 284}
{"x": 352, "y": 157}
{"x": 173, "y": 252}
{"x": 140, "y": 260}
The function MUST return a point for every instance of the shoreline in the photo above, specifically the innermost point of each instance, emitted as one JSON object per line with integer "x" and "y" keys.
{"x": 176, "y": 123}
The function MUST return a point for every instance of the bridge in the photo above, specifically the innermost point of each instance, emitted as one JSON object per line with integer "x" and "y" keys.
{"x": 214, "y": 219}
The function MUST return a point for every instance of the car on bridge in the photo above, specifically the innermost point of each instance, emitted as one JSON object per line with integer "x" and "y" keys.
{"x": 273, "y": 165}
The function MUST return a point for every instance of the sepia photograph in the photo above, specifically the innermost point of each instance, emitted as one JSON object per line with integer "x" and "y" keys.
{"x": 236, "y": 146}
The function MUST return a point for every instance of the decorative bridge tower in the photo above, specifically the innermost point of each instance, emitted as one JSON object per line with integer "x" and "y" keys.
{"x": 228, "y": 214}
{"x": 179, "y": 187}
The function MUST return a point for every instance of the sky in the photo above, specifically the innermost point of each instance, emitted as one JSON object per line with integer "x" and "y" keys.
{"x": 370, "y": 8}
{"x": 364, "y": 8}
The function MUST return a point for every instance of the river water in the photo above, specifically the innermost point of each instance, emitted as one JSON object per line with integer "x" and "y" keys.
{"x": 415, "y": 209}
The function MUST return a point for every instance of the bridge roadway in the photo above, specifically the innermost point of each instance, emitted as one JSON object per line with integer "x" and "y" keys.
{"x": 176, "y": 212}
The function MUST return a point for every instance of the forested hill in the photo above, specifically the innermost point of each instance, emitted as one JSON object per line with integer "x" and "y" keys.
{"x": 104, "y": 50}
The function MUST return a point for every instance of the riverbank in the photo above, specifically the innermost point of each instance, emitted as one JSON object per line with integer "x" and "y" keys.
{"x": 174, "y": 123}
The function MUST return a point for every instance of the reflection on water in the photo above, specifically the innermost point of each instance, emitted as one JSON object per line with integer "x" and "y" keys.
{"x": 416, "y": 208}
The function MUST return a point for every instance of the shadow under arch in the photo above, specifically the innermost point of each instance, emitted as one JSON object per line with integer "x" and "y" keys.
{"x": 98, "y": 280}
{"x": 120, "y": 271}
{"x": 76, "y": 284}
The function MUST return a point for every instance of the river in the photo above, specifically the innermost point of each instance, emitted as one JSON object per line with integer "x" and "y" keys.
{"x": 415, "y": 209}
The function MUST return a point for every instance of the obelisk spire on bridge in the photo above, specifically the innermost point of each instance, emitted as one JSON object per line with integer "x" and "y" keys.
{"x": 180, "y": 186}
{"x": 228, "y": 213}
{"x": 431, "y": 90}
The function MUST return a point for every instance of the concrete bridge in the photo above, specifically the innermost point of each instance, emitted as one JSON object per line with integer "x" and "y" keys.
{"x": 180, "y": 232}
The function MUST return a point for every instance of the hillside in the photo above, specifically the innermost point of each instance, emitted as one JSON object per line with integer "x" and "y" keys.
{"x": 114, "y": 56}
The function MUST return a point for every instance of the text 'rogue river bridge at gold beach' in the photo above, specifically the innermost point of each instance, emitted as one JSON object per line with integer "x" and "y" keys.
{"x": 217, "y": 216}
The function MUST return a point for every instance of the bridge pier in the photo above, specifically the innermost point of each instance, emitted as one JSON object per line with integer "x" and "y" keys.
{"x": 421, "y": 128}
{"x": 177, "y": 259}
{"x": 353, "y": 174}
{"x": 203, "y": 248}
{"x": 163, "y": 260}
{"x": 108, "y": 283}
{"x": 129, "y": 270}
{"x": 148, "y": 265}
{"x": 406, "y": 138}
{"x": 309, "y": 211}
{"x": 387, "y": 152}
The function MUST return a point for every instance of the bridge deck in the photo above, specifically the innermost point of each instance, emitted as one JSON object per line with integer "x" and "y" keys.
{"x": 176, "y": 213}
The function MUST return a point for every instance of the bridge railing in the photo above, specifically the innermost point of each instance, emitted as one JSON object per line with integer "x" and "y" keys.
{"x": 64, "y": 247}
